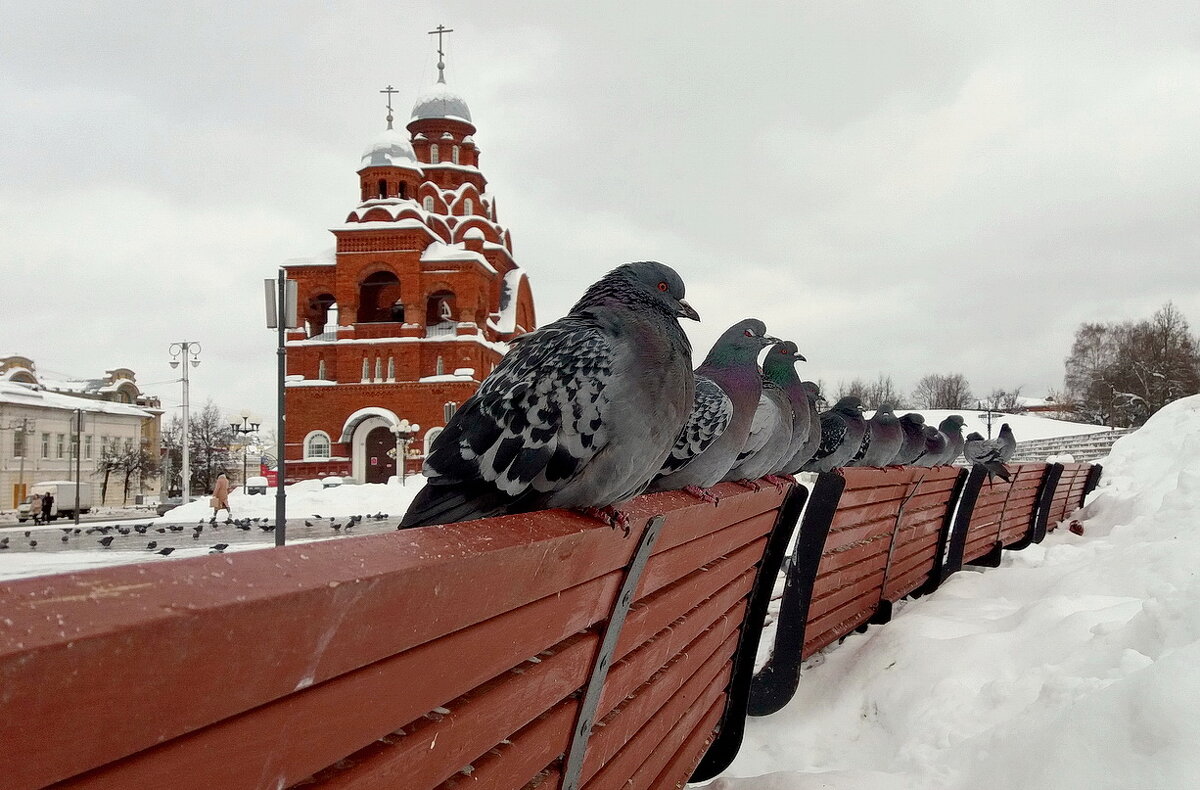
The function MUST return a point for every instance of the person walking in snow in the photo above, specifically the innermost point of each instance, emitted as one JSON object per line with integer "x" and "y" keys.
{"x": 47, "y": 506}
{"x": 35, "y": 508}
{"x": 220, "y": 498}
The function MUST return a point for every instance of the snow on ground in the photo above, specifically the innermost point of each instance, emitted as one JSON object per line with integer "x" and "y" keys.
{"x": 1025, "y": 427}
{"x": 1076, "y": 664}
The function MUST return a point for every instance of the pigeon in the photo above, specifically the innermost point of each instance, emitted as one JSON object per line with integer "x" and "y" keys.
{"x": 951, "y": 428}
{"x": 33, "y": 544}
{"x": 1007, "y": 443}
{"x": 65, "y": 538}
{"x": 728, "y": 385}
{"x": 935, "y": 447}
{"x": 981, "y": 452}
{"x": 166, "y": 551}
{"x": 842, "y": 429}
{"x": 580, "y": 413}
{"x": 106, "y": 541}
{"x": 913, "y": 425}
{"x": 887, "y": 436}
{"x": 863, "y": 446}
{"x": 812, "y": 438}
{"x": 307, "y": 523}
{"x": 152, "y": 544}
{"x": 218, "y": 548}
{"x": 769, "y": 445}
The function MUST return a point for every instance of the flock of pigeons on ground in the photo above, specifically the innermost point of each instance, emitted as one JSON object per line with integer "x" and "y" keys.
{"x": 602, "y": 405}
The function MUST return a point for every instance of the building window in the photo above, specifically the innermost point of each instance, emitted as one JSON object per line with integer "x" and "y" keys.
{"x": 19, "y": 443}
{"x": 128, "y": 445}
{"x": 60, "y": 445}
{"x": 433, "y": 154}
{"x": 366, "y": 369}
{"x": 382, "y": 188}
{"x": 87, "y": 447}
{"x": 454, "y": 154}
{"x": 378, "y": 368}
{"x": 391, "y": 369}
{"x": 45, "y": 445}
{"x": 428, "y": 203}
{"x": 321, "y": 369}
{"x": 316, "y": 445}
{"x": 469, "y": 206}
{"x": 402, "y": 190}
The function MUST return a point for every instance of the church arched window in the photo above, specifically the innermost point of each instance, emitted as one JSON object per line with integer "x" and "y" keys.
{"x": 316, "y": 445}
{"x": 428, "y": 202}
{"x": 469, "y": 206}
{"x": 382, "y": 188}
{"x": 433, "y": 154}
{"x": 454, "y": 154}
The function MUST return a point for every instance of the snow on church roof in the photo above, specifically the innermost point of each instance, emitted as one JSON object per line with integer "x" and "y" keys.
{"x": 506, "y": 319}
{"x": 390, "y": 148}
{"x": 437, "y": 251}
{"x": 438, "y": 101}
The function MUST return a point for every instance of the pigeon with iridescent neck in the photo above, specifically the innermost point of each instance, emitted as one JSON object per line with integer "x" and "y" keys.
{"x": 770, "y": 442}
{"x": 935, "y": 447}
{"x": 812, "y": 440}
{"x": 580, "y": 413}
{"x": 886, "y": 438}
{"x": 842, "y": 429}
{"x": 952, "y": 429}
{"x": 1007, "y": 443}
{"x": 913, "y": 425}
{"x": 728, "y": 387}
{"x": 981, "y": 452}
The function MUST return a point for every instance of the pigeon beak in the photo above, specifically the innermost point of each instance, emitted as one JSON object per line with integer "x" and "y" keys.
{"x": 799, "y": 357}
{"x": 687, "y": 311}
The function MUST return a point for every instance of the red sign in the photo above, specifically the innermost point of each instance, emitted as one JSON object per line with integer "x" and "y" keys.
{"x": 271, "y": 475}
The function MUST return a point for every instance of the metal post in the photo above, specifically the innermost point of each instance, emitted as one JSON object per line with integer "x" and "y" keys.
{"x": 281, "y": 463}
{"x": 183, "y": 349}
{"x": 78, "y": 455}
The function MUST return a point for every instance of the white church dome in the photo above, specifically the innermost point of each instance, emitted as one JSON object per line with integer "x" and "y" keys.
{"x": 390, "y": 148}
{"x": 438, "y": 101}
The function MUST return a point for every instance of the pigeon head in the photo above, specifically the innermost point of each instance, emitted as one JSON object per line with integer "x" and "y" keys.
{"x": 884, "y": 414}
{"x": 914, "y": 418}
{"x": 811, "y": 388}
{"x": 1005, "y": 430}
{"x": 848, "y": 405}
{"x": 740, "y": 342}
{"x": 952, "y": 424}
{"x": 886, "y": 408}
{"x": 643, "y": 285}
{"x": 780, "y": 363}
{"x": 974, "y": 436}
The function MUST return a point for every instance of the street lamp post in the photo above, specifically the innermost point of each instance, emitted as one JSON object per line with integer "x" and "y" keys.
{"x": 404, "y": 431}
{"x": 987, "y": 416}
{"x": 245, "y": 429}
{"x": 179, "y": 355}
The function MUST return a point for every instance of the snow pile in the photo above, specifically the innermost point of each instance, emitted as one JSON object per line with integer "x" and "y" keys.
{"x": 310, "y": 497}
{"x": 1076, "y": 664}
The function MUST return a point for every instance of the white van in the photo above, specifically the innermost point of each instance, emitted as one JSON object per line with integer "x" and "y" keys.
{"x": 63, "y": 492}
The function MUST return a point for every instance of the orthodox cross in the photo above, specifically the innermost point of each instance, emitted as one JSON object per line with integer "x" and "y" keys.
{"x": 389, "y": 90}
{"x": 439, "y": 32}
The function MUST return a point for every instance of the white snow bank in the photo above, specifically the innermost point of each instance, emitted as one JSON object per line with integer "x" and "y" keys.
{"x": 1076, "y": 664}
{"x": 309, "y": 497}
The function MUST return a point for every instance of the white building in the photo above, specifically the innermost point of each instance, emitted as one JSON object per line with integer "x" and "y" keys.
{"x": 38, "y": 430}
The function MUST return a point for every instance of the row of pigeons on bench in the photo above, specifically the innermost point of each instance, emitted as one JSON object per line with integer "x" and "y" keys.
{"x": 603, "y": 404}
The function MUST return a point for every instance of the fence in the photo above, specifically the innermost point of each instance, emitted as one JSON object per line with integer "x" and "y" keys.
{"x": 542, "y": 650}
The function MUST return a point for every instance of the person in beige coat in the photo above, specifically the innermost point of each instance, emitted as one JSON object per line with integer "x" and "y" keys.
{"x": 220, "y": 498}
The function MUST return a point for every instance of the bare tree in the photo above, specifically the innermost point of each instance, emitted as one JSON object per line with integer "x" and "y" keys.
{"x": 1005, "y": 400}
{"x": 936, "y": 391}
{"x": 873, "y": 394}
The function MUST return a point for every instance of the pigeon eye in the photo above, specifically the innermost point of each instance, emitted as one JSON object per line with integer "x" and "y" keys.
{"x": 749, "y": 333}
{"x": 663, "y": 287}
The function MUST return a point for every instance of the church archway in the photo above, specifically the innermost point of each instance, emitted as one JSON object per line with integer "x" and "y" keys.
{"x": 376, "y": 295}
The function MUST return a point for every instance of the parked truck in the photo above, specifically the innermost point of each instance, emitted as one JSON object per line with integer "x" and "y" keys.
{"x": 63, "y": 492}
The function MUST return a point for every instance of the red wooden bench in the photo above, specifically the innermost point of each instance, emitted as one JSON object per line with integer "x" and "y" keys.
{"x": 443, "y": 657}
{"x": 1002, "y": 513}
{"x": 1074, "y": 484}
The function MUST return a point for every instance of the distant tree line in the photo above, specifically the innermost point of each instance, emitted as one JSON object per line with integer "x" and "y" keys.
{"x": 209, "y": 441}
{"x": 1118, "y": 374}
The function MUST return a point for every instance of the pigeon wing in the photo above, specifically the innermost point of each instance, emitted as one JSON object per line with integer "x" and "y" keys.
{"x": 766, "y": 416}
{"x": 711, "y": 412}
{"x": 833, "y": 431}
{"x": 538, "y": 419}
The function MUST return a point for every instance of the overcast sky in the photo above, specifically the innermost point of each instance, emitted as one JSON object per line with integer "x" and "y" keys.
{"x": 901, "y": 188}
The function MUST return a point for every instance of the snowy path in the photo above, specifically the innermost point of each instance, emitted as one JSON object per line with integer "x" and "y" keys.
{"x": 1076, "y": 664}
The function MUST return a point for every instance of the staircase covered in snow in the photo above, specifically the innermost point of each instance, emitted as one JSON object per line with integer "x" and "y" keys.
{"x": 1084, "y": 448}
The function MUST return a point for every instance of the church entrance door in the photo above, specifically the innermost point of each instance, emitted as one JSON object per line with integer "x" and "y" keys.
{"x": 380, "y": 449}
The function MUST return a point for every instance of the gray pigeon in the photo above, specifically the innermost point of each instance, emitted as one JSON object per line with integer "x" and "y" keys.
{"x": 952, "y": 429}
{"x": 703, "y": 452}
{"x": 913, "y": 425}
{"x": 580, "y": 413}
{"x": 769, "y": 445}
{"x": 981, "y": 452}
{"x": 842, "y": 429}
{"x": 886, "y": 437}
{"x": 935, "y": 447}
{"x": 812, "y": 439}
{"x": 1007, "y": 443}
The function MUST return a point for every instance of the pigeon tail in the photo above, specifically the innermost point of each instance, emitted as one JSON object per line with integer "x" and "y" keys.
{"x": 449, "y": 504}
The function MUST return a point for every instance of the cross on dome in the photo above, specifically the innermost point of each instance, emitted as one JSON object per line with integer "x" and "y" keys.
{"x": 389, "y": 90}
{"x": 441, "y": 29}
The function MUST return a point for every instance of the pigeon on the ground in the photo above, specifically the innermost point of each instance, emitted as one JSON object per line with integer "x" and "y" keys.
{"x": 913, "y": 425}
{"x": 935, "y": 447}
{"x": 769, "y": 445}
{"x": 729, "y": 384}
{"x": 1007, "y": 443}
{"x": 952, "y": 429}
{"x": 812, "y": 442}
{"x": 981, "y": 452}
{"x": 152, "y": 544}
{"x": 580, "y": 413}
{"x": 106, "y": 541}
{"x": 886, "y": 437}
{"x": 842, "y": 429}
{"x": 166, "y": 551}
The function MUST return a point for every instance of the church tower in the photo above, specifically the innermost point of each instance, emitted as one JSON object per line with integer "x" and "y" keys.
{"x": 413, "y": 308}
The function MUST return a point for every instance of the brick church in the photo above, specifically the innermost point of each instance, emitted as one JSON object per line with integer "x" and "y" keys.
{"x": 413, "y": 307}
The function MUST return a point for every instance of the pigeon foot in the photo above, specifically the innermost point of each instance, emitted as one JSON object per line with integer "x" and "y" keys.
{"x": 703, "y": 494}
{"x": 780, "y": 483}
{"x": 751, "y": 484}
{"x": 609, "y": 515}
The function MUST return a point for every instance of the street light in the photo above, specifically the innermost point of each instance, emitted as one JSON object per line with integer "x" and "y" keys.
{"x": 179, "y": 354}
{"x": 404, "y": 432}
{"x": 245, "y": 429}
{"x": 987, "y": 415}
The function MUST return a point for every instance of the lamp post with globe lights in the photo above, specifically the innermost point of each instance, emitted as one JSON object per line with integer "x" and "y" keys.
{"x": 180, "y": 353}
{"x": 245, "y": 429}
{"x": 404, "y": 431}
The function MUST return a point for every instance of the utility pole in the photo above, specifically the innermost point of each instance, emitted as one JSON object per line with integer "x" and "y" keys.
{"x": 281, "y": 316}
{"x": 179, "y": 355}
{"x": 22, "y": 427}
{"x": 78, "y": 456}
